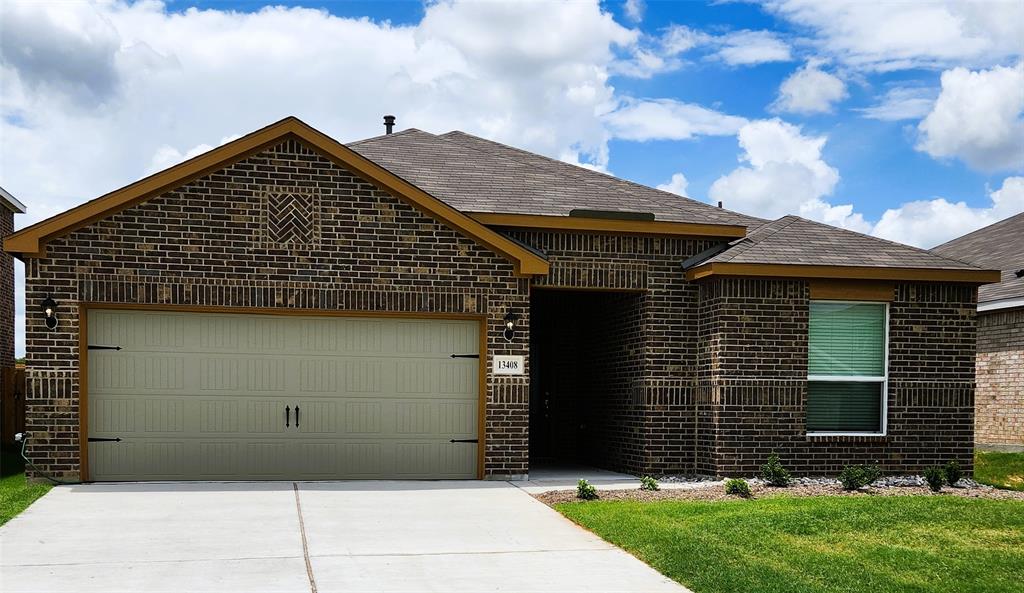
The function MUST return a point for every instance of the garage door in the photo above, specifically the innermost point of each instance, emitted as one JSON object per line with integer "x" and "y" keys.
{"x": 200, "y": 396}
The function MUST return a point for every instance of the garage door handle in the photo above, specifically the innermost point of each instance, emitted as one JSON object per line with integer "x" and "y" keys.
{"x": 296, "y": 416}
{"x": 287, "y": 415}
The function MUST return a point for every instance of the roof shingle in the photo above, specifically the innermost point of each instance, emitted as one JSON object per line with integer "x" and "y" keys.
{"x": 795, "y": 240}
{"x": 998, "y": 246}
{"x": 477, "y": 175}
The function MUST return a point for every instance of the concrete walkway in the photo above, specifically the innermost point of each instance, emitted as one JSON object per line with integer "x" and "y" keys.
{"x": 308, "y": 537}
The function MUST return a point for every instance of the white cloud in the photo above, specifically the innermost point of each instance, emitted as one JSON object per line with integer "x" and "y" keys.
{"x": 679, "y": 38}
{"x": 634, "y": 10}
{"x": 899, "y": 35}
{"x": 676, "y": 185}
{"x": 927, "y": 223}
{"x": 747, "y": 48}
{"x": 104, "y": 92}
{"x": 667, "y": 119}
{"x": 167, "y": 156}
{"x": 979, "y": 118}
{"x": 784, "y": 174}
{"x": 900, "y": 103}
{"x": 810, "y": 90}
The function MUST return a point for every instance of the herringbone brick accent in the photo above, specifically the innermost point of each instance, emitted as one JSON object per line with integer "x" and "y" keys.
{"x": 290, "y": 218}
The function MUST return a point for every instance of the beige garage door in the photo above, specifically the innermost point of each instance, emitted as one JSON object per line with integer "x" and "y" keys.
{"x": 201, "y": 396}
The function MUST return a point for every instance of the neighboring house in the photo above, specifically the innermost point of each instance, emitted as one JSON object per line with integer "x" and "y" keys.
{"x": 442, "y": 306}
{"x": 9, "y": 206}
{"x": 999, "y": 402}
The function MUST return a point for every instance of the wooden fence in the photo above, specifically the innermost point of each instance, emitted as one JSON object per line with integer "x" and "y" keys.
{"x": 12, "y": 403}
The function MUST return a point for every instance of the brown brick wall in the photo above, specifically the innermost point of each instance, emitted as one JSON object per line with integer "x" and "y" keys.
{"x": 207, "y": 243}
{"x": 755, "y": 388}
{"x": 707, "y": 377}
{"x": 6, "y": 293}
{"x": 999, "y": 411}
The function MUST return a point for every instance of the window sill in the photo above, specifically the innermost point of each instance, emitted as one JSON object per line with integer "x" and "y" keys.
{"x": 847, "y": 436}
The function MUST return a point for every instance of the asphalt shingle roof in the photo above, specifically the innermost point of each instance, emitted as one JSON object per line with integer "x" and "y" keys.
{"x": 476, "y": 175}
{"x": 997, "y": 246}
{"x": 795, "y": 240}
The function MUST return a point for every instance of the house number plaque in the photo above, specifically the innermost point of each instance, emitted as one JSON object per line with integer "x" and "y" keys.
{"x": 509, "y": 365}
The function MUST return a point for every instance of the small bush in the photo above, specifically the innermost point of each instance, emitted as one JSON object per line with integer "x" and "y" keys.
{"x": 857, "y": 476}
{"x": 737, "y": 486}
{"x": 953, "y": 472}
{"x": 649, "y": 483}
{"x": 935, "y": 478}
{"x": 774, "y": 473}
{"x": 585, "y": 490}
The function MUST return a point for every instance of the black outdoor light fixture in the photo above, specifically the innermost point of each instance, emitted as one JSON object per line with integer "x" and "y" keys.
{"x": 49, "y": 307}
{"x": 510, "y": 325}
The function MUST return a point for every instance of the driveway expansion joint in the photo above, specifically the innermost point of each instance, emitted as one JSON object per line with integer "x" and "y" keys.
{"x": 305, "y": 543}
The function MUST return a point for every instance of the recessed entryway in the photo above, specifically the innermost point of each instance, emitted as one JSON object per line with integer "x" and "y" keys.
{"x": 585, "y": 353}
{"x": 176, "y": 395}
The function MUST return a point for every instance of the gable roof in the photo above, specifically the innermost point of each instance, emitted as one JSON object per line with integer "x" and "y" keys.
{"x": 506, "y": 186}
{"x": 796, "y": 247}
{"x": 1001, "y": 246}
{"x": 31, "y": 241}
{"x": 10, "y": 202}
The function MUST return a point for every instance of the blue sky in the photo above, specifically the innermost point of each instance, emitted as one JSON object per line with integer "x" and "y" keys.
{"x": 900, "y": 119}
{"x": 879, "y": 166}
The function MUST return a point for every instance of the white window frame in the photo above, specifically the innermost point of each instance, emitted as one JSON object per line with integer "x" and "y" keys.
{"x": 884, "y": 379}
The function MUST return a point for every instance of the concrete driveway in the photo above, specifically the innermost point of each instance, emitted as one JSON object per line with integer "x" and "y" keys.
{"x": 308, "y": 537}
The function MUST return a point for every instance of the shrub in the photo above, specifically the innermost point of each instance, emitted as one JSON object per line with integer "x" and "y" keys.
{"x": 649, "y": 483}
{"x": 585, "y": 490}
{"x": 857, "y": 476}
{"x": 737, "y": 486}
{"x": 935, "y": 478}
{"x": 953, "y": 472}
{"x": 774, "y": 473}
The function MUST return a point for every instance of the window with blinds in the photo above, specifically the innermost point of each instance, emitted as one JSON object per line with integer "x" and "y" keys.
{"x": 846, "y": 368}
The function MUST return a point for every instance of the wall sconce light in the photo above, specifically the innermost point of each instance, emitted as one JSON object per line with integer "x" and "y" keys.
{"x": 49, "y": 307}
{"x": 510, "y": 325}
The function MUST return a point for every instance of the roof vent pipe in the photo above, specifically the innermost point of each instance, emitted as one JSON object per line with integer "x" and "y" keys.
{"x": 719, "y": 203}
{"x": 389, "y": 123}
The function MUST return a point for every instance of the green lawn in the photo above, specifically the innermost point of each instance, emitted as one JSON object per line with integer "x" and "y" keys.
{"x": 783, "y": 544}
{"x": 1002, "y": 470}
{"x": 15, "y": 493}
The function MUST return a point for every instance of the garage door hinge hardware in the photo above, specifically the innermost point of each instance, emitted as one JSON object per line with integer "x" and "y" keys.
{"x": 98, "y": 347}
{"x": 463, "y": 441}
{"x": 465, "y": 356}
{"x": 104, "y": 440}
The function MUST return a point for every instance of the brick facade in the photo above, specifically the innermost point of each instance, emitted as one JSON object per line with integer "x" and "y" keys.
{"x": 754, "y": 387}
{"x": 206, "y": 244}
{"x": 693, "y": 377}
{"x": 1000, "y": 396}
{"x": 6, "y": 293}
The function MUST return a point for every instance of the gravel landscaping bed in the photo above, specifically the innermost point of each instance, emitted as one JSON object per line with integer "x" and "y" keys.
{"x": 713, "y": 490}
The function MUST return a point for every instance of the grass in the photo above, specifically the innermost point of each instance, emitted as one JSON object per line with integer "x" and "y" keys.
{"x": 836, "y": 544}
{"x": 1002, "y": 470}
{"x": 15, "y": 493}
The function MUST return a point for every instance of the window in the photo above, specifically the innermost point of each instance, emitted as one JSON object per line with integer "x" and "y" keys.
{"x": 847, "y": 352}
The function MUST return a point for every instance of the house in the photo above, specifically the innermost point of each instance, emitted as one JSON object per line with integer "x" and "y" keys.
{"x": 999, "y": 402}
{"x": 9, "y": 206}
{"x": 442, "y": 306}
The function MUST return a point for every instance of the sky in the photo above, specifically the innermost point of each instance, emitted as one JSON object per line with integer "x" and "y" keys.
{"x": 900, "y": 119}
